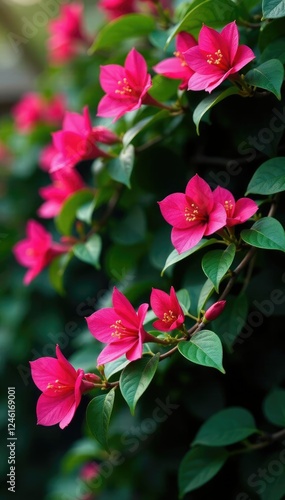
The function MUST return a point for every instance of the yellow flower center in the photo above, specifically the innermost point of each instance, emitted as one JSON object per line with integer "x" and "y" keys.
{"x": 58, "y": 386}
{"x": 180, "y": 56}
{"x": 192, "y": 213}
{"x": 215, "y": 58}
{"x": 169, "y": 317}
{"x": 124, "y": 87}
{"x": 119, "y": 329}
{"x": 228, "y": 207}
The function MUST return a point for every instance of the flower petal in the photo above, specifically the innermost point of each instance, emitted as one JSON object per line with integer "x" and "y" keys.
{"x": 99, "y": 324}
{"x": 184, "y": 239}
{"x": 217, "y": 219}
{"x": 173, "y": 210}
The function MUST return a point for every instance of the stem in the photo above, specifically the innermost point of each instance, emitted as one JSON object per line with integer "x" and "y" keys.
{"x": 266, "y": 440}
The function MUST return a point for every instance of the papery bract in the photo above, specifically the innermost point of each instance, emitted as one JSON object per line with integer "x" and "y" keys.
{"x": 125, "y": 86}
{"x": 177, "y": 67}
{"x": 193, "y": 215}
{"x": 46, "y": 157}
{"x": 34, "y": 109}
{"x": 121, "y": 327}
{"x": 117, "y": 8}
{"x": 37, "y": 250}
{"x": 167, "y": 309}
{"x": 217, "y": 57}
{"x": 66, "y": 33}
{"x": 77, "y": 140}
{"x": 237, "y": 211}
{"x": 65, "y": 182}
{"x": 62, "y": 387}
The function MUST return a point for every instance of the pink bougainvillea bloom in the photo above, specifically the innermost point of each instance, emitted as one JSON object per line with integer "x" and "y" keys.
{"x": 214, "y": 311}
{"x": 46, "y": 157}
{"x": 37, "y": 250}
{"x": 90, "y": 471}
{"x": 62, "y": 387}
{"x": 33, "y": 109}
{"x": 167, "y": 309}
{"x": 66, "y": 34}
{"x": 77, "y": 140}
{"x": 126, "y": 87}
{"x": 217, "y": 57}
{"x": 117, "y": 8}
{"x": 177, "y": 67}
{"x": 65, "y": 183}
{"x": 121, "y": 327}
{"x": 237, "y": 211}
{"x": 193, "y": 215}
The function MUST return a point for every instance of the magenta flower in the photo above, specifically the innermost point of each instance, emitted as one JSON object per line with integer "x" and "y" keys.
{"x": 117, "y": 8}
{"x": 46, "y": 157}
{"x": 237, "y": 212}
{"x": 77, "y": 140}
{"x": 214, "y": 311}
{"x": 217, "y": 57}
{"x": 62, "y": 387}
{"x": 65, "y": 183}
{"x": 193, "y": 215}
{"x": 177, "y": 67}
{"x": 33, "y": 109}
{"x": 66, "y": 34}
{"x": 126, "y": 87}
{"x": 37, "y": 250}
{"x": 121, "y": 327}
{"x": 167, "y": 309}
{"x": 90, "y": 471}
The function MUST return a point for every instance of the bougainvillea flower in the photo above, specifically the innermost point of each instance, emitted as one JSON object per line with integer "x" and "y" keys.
{"x": 62, "y": 387}
{"x": 177, "y": 67}
{"x": 46, "y": 157}
{"x": 214, "y": 311}
{"x": 77, "y": 140}
{"x": 217, "y": 57}
{"x": 193, "y": 215}
{"x": 117, "y": 8}
{"x": 90, "y": 471}
{"x": 167, "y": 309}
{"x": 121, "y": 327}
{"x": 66, "y": 33}
{"x": 33, "y": 109}
{"x": 125, "y": 86}
{"x": 65, "y": 183}
{"x": 37, "y": 250}
{"x": 237, "y": 211}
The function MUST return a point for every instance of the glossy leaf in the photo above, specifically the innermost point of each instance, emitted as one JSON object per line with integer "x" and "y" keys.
{"x": 274, "y": 407}
{"x": 269, "y": 76}
{"x": 98, "y": 416}
{"x": 209, "y": 102}
{"x": 90, "y": 251}
{"x": 216, "y": 263}
{"x": 206, "y": 292}
{"x": 56, "y": 271}
{"x": 269, "y": 178}
{"x": 136, "y": 377}
{"x": 120, "y": 169}
{"x": 229, "y": 324}
{"x": 226, "y": 427}
{"x": 118, "y": 30}
{"x": 65, "y": 219}
{"x": 266, "y": 233}
{"x": 184, "y": 299}
{"x": 204, "y": 348}
{"x": 175, "y": 257}
{"x": 199, "y": 466}
{"x": 272, "y": 9}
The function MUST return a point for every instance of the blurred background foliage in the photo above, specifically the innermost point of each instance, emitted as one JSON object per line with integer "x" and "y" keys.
{"x": 135, "y": 247}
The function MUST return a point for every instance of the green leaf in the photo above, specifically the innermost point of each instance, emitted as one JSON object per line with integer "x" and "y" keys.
{"x": 175, "y": 257}
{"x": 229, "y": 325}
{"x": 206, "y": 292}
{"x": 265, "y": 233}
{"x": 213, "y": 13}
{"x": 198, "y": 466}
{"x": 184, "y": 299}
{"x": 226, "y": 427}
{"x": 274, "y": 50}
{"x": 163, "y": 88}
{"x": 272, "y": 9}
{"x": 141, "y": 125}
{"x": 120, "y": 168}
{"x": 98, "y": 416}
{"x": 115, "y": 366}
{"x": 209, "y": 102}
{"x": 274, "y": 407}
{"x": 269, "y": 76}
{"x": 269, "y": 178}
{"x": 204, "y": 348}
{"x": 136, "y": 377}
{"x": 216, "y": 263}
{"x": 85, "y": 212}
{"x": 56, "y": 271}
{"x": 90, "y": 251}
{"x": 65, "y": 219}
{"x": 117, "y": 31}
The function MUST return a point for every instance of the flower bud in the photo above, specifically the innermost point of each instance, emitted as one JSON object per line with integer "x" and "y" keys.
{"x": 214, "y": 311}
